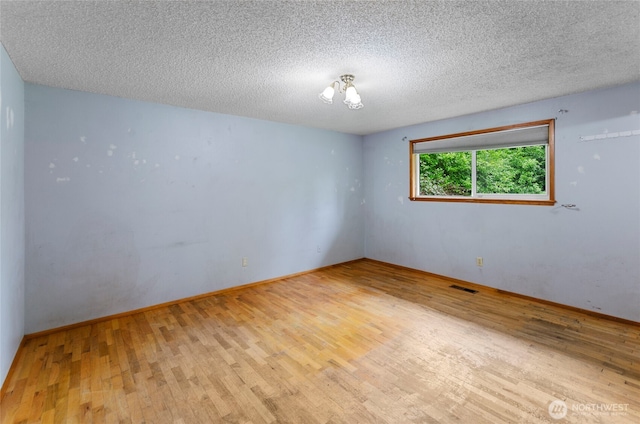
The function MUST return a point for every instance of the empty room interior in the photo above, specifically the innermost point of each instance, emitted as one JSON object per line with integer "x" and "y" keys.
{"x": 319, "y": 212}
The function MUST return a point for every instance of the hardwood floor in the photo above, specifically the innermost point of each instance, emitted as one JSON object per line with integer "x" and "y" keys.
{"x": 356, "y": 343}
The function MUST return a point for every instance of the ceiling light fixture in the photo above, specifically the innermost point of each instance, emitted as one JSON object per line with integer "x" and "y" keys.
{"x": 351, "y": 96}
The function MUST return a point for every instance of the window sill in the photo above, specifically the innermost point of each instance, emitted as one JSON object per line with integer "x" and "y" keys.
{"x": 484, "y": 200}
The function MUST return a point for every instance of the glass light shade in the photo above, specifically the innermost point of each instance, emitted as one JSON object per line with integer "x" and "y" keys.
{"x": 350, "y": 95}
{"x": 327, "y": 95}
{"x": 356, "y": 105}
{"x": 352, "y": 99}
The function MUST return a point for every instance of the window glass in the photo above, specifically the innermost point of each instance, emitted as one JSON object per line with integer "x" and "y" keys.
{"x": 445, "y": 174}
{"x": 518, "y": 170}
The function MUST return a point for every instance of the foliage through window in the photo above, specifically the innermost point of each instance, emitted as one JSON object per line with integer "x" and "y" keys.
{"x": 499, "y": 165}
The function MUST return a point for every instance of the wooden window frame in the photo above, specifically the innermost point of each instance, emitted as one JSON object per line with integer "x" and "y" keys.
{"x": 414, "y": 169}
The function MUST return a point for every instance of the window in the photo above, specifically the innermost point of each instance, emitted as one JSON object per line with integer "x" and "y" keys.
{"x": 512, "y": 164}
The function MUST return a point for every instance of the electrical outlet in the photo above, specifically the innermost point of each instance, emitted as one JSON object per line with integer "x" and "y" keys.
{"x": 245, "y": 261}
{"x": 479, "y": 261}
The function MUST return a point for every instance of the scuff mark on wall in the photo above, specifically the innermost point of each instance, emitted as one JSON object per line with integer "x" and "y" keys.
{"x": 581, "y": 169}
{"x": 10, "y": 117}
{"x": 596, "y": 156}
{"x": 606, "y": 134}
{"x": 76, "y": 159}
{"x": 63, "y": 179}
{"x": 112, "y": 147}
{"x": 83, "y": 139}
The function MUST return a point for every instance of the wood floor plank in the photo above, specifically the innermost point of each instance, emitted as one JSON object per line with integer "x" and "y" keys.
{"x": 356, "y": 343}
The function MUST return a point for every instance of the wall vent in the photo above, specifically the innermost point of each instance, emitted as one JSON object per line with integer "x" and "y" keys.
{"x": 464, "y": 289}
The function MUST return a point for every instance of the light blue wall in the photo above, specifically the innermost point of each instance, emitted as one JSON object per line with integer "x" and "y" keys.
{"x": 11, "y": 212}
{"x": 587, "y": 258}
{"x": 131, "y": 204}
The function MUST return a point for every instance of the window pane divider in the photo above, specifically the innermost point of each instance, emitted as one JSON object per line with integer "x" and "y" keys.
{"x": 474, "y": 175}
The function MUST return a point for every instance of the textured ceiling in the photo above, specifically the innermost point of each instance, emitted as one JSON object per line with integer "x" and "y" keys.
{"x": 413, "y": 61}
